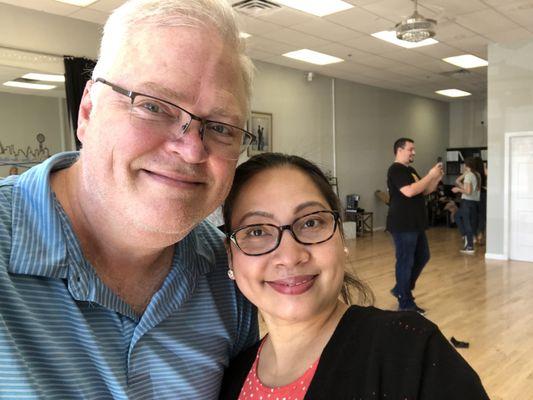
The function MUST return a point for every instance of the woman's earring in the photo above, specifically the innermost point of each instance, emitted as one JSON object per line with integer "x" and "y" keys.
{"x": 230, "y": 274}
{"x": 346, "y": 251}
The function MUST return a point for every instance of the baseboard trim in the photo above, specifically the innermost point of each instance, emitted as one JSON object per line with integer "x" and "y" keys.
{"x": 494, "y": 256}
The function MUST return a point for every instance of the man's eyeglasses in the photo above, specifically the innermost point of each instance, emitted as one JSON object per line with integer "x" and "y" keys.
{"x": 158, "y": 115}
{"x": 259, "y": 239}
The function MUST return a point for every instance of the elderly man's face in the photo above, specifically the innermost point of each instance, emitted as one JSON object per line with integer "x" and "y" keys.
{"x": 162, "y": 182}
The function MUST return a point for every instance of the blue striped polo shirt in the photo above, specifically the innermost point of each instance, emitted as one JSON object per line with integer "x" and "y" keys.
{"x": 65, "y": 335}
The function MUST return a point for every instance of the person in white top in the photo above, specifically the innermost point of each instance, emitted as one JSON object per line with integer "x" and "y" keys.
{"x": 468, "y": 184}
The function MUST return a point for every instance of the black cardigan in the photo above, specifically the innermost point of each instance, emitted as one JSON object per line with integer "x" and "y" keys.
{"x": 375, "y": 354}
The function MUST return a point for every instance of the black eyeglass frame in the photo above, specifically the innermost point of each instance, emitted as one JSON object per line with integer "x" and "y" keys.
{"x": 203, "y": 121}
{"x": 282, "y": 228}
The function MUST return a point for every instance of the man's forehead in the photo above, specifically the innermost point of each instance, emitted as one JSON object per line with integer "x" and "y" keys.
{"x": 163, "y": 91}
{"x": 166, "y": 69}
{"x": 226, "y": 106}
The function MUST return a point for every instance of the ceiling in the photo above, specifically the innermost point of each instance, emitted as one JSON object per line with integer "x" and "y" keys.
{"x": 464, "y": 26}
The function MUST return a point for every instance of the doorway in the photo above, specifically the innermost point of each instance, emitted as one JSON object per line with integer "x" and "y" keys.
{"x": 519, "y": 192}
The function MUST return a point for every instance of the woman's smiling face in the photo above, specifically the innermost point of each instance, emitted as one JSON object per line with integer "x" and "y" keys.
{"x": 294, "y": 282}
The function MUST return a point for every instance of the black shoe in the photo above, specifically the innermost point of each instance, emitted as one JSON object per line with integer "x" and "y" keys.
{"x": 459, "y": 344}
{"x": 396, "y": 294}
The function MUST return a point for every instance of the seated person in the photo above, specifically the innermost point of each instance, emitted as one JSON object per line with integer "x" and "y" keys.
{"x": 286, "y": 251}
{"x": 448, "y": 200}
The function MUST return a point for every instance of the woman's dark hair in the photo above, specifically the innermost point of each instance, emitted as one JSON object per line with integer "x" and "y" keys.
{"x": 471, "y": 163}
{"x": 480, "y": 169}
{"x": 265, "y": 161}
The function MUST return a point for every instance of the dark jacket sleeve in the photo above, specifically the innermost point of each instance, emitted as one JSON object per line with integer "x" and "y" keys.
{"x": 446, "y": 375}
{"x": 376, "y": 354}
{"x": 235, "y": 374}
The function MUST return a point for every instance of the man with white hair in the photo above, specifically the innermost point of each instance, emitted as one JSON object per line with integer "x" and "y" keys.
{"x": 110, "y": 284}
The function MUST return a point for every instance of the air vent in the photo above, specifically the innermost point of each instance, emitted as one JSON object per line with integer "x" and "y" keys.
{"x": 256, "y": 7}
{"x": 458, "y": 73}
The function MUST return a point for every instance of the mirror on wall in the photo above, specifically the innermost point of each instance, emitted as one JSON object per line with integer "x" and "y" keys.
{"x": 33, "y": 110}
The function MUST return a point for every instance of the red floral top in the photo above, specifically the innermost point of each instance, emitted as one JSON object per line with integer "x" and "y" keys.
{"x": 253, "y": 389}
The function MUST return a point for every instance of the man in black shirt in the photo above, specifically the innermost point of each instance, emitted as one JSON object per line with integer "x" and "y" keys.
{"x": 407, "y": 219}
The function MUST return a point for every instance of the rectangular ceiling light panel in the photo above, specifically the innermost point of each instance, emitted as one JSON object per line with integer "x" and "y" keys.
{"x": 319, "y": 8}
{"x": 453, "y": 93}
{"x": 27, "y": 85}
{"x": 80, "y": 3}
{"x": 313, "y": 57}
{"x": 44, "y": 77}
{"x": 390, "y": 36}
{"x": 466, "y": 61}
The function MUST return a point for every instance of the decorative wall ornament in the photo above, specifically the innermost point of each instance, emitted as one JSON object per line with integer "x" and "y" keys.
{"x": 17, "y": 58}
{"x": 11, "y": 155}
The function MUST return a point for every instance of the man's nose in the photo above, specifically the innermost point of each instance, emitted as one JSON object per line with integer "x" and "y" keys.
{"x": 188, "y": 143}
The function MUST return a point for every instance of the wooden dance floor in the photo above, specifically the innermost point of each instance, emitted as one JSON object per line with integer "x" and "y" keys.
{"x": 484, "y": 302}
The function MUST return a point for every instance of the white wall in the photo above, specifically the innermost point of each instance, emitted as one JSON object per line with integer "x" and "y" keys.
{"x": 468, "y": 123}
{"x": 302, "y": 111}
{"x": 369, "y": 120}
{"x": 23, "y": 117}
{"x": 510, "y": 109}
{"x": 25, "y": 29}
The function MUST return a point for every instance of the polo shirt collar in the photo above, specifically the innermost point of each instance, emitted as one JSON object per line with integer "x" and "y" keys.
{"x": 44, "y": 245}
{"x": 38, "y": 245}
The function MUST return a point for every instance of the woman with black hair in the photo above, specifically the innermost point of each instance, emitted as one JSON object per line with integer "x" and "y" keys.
{"x": 287, "y": 255}
{"x": 468, "y": 184}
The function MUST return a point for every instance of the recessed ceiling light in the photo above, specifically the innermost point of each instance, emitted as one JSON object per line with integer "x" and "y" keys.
{"x": 44, "y": 77}
{"x": 466, "y": 61}
{"x": 319, "y": 8}
{"x": 390, "y": 36}
{"x": 27, "y": 85}
{"x": 81, "y": 3}
{"x": 244, "y": 35}
{"x": 313, "y": 57}
{"x": 453, "y": 93}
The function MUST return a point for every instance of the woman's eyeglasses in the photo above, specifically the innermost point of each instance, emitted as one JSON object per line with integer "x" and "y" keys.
{"x": 258, "y": 239}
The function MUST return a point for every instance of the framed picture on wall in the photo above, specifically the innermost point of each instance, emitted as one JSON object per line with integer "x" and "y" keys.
{"x": 260, "y": 125}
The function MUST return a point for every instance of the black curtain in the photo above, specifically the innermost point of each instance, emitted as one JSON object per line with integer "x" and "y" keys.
{"x": 78, "y": 71}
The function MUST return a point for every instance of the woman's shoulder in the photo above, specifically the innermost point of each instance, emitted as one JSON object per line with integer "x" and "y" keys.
{"x": 374, "y": 353}
{"x": 369, "y": 329}
{"x": 235, "y": 374}
{"x": 373, "y": 319}
{"x": 469, "y": 174}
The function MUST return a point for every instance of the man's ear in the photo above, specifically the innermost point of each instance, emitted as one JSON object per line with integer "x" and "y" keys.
{"x": 84, "y": 113}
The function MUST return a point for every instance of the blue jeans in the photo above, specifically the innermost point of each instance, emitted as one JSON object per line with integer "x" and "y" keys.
{"x": 412, "y": 254}
{"x": 467, "y": 220}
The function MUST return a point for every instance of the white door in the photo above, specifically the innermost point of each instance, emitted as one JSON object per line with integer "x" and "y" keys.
{"x": 521, "y": 198}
